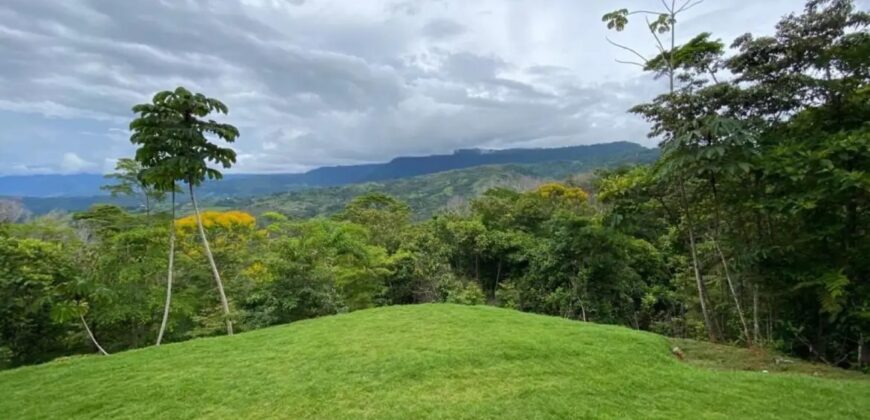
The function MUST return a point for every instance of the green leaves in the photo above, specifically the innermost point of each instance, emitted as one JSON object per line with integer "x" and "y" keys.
{"x": 616, "y": 19}
{"x": 68, "y": 311}
{"x": 831, "y": 288}
{"x": 662, "y": 24}
{"x": 171, "y": 133}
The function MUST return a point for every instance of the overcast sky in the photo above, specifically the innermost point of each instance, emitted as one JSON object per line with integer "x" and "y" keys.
{"x": 323, "y": 82}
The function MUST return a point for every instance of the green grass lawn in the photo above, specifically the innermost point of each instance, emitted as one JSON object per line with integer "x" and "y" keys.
{"x": 434, "y": 361}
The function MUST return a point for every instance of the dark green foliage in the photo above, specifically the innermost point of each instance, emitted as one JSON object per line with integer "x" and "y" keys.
{"x": 170, "y": 133}
{"x": 764, "y": 176}
{"x": 130, "y": 181}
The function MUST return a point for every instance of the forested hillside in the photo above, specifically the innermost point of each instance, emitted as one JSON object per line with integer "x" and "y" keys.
{"x": 88, "y": 185}
{"x": 427, "y": 194}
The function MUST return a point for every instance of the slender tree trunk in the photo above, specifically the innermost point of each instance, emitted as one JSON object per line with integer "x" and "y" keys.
{"x": 497, "y": 278}
{"x": 91, "y": 335}
{"x": 169, "y": 273}
{"x": 699, "y": 281}
{"x": 673, "y": 47}
{"x": 769, "y": 323}
{"x": 734, "y": 294}
{"x": 756, "y": 330}
{"x": 147, "y": 203}
{"x": 214, "y": 269}
{"x": 718, "y": 235}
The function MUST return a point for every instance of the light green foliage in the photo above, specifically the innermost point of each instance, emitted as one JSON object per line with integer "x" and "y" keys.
{"x": 315, "y": 267}
{"x": 36, "y": 278}
{"x": 428, "y": 195}
{"x": 421, "y": 361}
{"x": 130, "y": 180}
{"x": 385, "y": 217}
{"x": 461, "y": 292}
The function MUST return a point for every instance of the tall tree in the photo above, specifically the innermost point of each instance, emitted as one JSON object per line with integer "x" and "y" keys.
{"x": 662, "y": 26}
{"x": 128, "y": 175}
{"x": 171, "y": 132}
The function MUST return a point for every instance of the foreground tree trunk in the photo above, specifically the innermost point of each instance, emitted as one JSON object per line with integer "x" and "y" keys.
{"x": 91, "y": 335}
{"x": 743, "y": 324}
{"x": 755, "y": 327}
{"x": 147, "y": 203}
{"x": 699, "y": 281}
{"x": 214, "y": 269}
{"x": 169, "y": 274}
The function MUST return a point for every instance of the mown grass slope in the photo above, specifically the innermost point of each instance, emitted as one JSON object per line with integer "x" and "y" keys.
{"x": 441, "y": 361}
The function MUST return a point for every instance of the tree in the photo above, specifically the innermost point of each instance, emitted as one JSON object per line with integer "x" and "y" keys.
{"x": 384, "y": 216}
{"x": 171, "y": 134}
{"x": 664, "y": 24}
{"x": 766, "y": 167}
{"x": 37, "y": 299}
{"x": 12, "y": 211}
{"x": 666, "y": 63}
{"x": 121, "y": 265}
{"x": 129, "y": 176}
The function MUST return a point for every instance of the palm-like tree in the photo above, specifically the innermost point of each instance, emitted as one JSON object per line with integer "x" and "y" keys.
{"x": 171, "y": 133}
{"x": 128, "y": 177}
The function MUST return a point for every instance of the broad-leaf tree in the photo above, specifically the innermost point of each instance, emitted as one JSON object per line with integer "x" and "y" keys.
{"x": 174, "y": 135}
{"x": 129, "y": 181}
{"x": 662, "y": 26}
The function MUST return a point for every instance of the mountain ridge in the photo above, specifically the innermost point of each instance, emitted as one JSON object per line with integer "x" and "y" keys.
{"x": 80, "y": 185}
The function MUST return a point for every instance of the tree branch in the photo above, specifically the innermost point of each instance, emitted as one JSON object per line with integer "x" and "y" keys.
{"x": 630, "y": 62}
{"x": 688, "y": 5}
{"x": 647, "y": 12}
{"x": 659, "y": 42}
{"x": 660, "y": 46}
{"x": 639, "y": 55}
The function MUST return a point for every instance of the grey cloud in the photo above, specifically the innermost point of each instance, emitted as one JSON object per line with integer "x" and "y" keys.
{"x": 310, "y": 83}
{"x": 442, "y": 28}
{"x": 472, "y": 67}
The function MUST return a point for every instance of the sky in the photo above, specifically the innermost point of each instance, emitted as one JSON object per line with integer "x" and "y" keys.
{"x": 332, "y": 82}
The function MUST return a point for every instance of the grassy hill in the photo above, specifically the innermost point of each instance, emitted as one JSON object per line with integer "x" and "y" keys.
{"x": 435, "y": 361}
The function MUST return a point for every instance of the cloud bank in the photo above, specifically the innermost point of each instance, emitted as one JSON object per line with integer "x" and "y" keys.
{"x": 317, "y": 82}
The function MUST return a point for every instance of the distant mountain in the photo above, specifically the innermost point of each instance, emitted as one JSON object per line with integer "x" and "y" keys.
{"x": 403, "y": 167}
{"x": 430, "y": 193}
{"x": 82, "y": 185}
{"x": 51, "y": 185}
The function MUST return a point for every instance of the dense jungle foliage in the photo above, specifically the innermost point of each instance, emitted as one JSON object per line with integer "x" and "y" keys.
{"x": 751, "y": 228}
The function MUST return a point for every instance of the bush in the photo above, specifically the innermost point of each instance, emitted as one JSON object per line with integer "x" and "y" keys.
{"x": 463, "y": 292}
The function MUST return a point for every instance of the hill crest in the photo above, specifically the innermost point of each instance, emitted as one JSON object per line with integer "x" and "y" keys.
{"x": 419, "y": 361}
